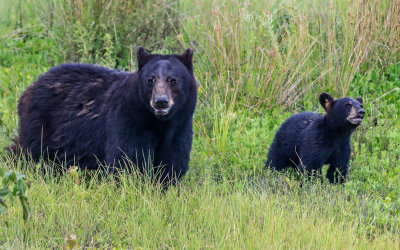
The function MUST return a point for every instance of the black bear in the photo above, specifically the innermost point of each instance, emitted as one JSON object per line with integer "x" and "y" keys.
{"x": 308, "y": 140}
{"x": 88, "y": 115}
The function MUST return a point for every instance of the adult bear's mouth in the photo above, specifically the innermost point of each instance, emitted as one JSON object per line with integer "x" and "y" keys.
{"x": 161, "y": 112}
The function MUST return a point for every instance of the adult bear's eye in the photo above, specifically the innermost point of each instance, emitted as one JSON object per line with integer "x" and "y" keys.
{"x": 348, "y": 105}
{"x": 151, "y": 81}
{"x": 172, "y": 81}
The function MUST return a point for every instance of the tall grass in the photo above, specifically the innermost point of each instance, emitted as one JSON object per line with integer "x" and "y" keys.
{"x": 277, "y": 51}
{"x": 257, "y": 54}
{"x": 105, "y": 32}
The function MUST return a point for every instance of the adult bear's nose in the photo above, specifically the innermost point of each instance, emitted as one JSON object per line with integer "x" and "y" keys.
{"x": 161, "y": 102}
{"x": 361, "y": 112}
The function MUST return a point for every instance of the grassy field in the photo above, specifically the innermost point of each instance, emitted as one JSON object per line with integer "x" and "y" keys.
{"x": 257, "y": 63}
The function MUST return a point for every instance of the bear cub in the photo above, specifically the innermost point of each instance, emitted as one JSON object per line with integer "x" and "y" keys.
{"x": 87, "y": 115}
{"x": 308, "y": 140}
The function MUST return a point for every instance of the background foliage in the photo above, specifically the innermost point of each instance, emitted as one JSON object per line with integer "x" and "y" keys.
{"x": 257, "y": 63}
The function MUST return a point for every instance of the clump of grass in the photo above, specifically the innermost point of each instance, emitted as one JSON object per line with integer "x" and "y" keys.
{"x": 105, "y": 32}
{"x": 95, "y": 25}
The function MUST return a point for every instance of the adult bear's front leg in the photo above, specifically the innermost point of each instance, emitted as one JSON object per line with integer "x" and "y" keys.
{"x": 173, "y": 156}
{"x": 126, "y": 149}
{"x": 122, "y": 157}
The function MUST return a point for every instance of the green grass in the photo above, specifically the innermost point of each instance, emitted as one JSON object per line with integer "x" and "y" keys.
{"x": 272, "y": 212}
{"x": 257, "y": 63}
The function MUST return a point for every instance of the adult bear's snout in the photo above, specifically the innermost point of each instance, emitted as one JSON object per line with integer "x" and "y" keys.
{"x": 161, "y": 102}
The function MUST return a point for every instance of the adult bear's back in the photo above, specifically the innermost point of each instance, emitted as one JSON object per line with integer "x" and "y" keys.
{"x": 64, "y": 110}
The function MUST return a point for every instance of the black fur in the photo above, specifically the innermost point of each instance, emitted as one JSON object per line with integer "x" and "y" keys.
{"x": 310, "y": 140}
{"x": 86, "y": 115}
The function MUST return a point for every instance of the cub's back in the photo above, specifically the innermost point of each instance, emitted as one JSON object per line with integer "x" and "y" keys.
{"x": 289, "y": 136}
{"x": 296, "y": 124}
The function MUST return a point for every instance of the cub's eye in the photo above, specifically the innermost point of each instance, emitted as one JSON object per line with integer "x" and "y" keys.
{"x": 348, "y": 105}
{"x": 362, "y": 106}
{"x": 151, "y": 81}
{"x": 172, "y": 81}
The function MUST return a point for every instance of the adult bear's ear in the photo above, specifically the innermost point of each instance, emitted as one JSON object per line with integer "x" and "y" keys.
{"x": 360, "y": 100}
{"x": 187, "y": 58}
{"x": 142, "y": 57}
{"x": 326, "y": 101}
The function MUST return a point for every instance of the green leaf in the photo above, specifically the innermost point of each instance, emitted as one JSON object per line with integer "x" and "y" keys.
{"x": 20, "y": 176}
{"x": 21, "y": 187}
{"x": 2, "y": 171}
{"x": 11, "y": 197}
{"x": 4, "y": 192}
{"x": 25, "y": 208}
{"x": 3, "y": 206}
{"x": 10, "y": 176}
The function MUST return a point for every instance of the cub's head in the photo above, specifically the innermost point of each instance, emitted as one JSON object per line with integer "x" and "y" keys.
{"x": 166, "y": 82}
{"x": 344, "y": 112}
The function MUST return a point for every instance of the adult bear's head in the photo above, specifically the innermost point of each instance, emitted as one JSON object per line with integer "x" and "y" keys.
{"x": 343, "y": 113}
{"x": 166, "y": 82}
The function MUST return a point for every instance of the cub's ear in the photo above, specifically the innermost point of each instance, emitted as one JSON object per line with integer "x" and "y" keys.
{"x": 187, "y": 58}
{"x": 326, "y": 101}
{"x": 360, "y": 100}
{"x": 142, "y": 57}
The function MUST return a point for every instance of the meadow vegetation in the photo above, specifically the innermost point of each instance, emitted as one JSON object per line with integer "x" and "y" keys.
{"x": 256, "y": 62}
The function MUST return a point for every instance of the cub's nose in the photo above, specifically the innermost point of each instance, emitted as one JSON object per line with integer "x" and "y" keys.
{"x": 161, "y": 102}
{"x": 361, "y": 112}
